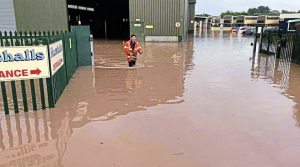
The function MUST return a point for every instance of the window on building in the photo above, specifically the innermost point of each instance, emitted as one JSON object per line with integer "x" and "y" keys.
{"x": 292, "y": 26}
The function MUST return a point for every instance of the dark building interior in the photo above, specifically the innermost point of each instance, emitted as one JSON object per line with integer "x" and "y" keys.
{"x": 107, "y": 19}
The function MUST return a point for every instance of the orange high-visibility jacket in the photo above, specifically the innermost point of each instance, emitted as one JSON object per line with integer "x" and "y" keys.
{"x": 131, "y": 53}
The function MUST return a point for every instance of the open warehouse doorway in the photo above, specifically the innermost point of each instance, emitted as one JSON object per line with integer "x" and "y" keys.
{"x": 107, "y": 19}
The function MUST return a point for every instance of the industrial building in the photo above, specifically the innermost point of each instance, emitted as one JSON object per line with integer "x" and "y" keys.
{"x": 33, "y": 15}
{"x": 150, "y": 20}
{"x": 250, "y": 21}
{"x": 228, "y": 22}
{"x": 287, "y": 22}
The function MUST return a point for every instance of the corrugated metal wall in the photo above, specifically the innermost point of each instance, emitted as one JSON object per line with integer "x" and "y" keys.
{"x": 186, "y": 18}
{"x": 162, "y": 14}
{"x": 41, "y": 15}
{"x": 7, "y": 16}
{"x": 191, "y": 16}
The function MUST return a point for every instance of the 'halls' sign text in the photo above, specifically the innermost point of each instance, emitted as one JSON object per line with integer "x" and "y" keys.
{"x": 24, "y": 62}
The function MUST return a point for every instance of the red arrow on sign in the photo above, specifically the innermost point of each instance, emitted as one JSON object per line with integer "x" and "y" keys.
{"x": 37, "y": 71}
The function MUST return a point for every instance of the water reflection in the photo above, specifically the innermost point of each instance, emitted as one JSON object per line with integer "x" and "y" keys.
{"x": 188, "y": 52}
{"x": 281, "y": 73}
{"x": 2, "y": 146}
{"x": 104, "y": 93}
{"x": 213, "y": 94}
{"x": 38, "y": 149}
{"x": 96, "y": 94}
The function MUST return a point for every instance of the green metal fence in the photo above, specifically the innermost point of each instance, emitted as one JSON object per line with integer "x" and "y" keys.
{"x": 83, "y": 44}
{"x": 269, "y": 43}
{"x": 283, "y": 45}
{"x": 38, "y": 94}
{"x": 296, "y": 49}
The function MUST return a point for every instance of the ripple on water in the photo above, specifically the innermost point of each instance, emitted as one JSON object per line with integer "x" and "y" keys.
{"x": 119, "y": 66}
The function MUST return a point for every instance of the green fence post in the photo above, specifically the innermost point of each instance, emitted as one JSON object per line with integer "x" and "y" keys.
{"x": 50, "y": 93}
{"x": 13, "y": 83}
{"x": 4, "y": 97}
{"x": 278, "y": 52}
{"x": 24, "y": 96}
{"x": 33, "y": 95}
{"x": 15, "y": 97}
{"x": 49, "y": 80}
{"x": 255, "y": 39}
{"x": 42, "y": 93}
{"x": 23, "y": 84}
{"x": 31, "y": 40}
{"x": 269, "y": 42}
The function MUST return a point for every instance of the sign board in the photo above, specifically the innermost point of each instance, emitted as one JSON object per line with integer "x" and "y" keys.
{"x": 24, "y": 62}
{"x": 259, "y": 30}
{"x": 137, "y": 19}
{"x": 149, "y": 26}
{"x": 56, "y": 56}
{"x": 177, "y": 24}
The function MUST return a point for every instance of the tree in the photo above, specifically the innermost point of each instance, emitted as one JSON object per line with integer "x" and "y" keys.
{"x": 286, "y": 11}
{"x": 275, "y": 12}
{"x": 264, "y": 9}
{"x": 259, "y": 10}
{"x": 231, "y": 13}
{"x": 252, "y": 11}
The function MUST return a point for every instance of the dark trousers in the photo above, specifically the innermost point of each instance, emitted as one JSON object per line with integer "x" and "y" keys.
{"x": 131, "y": 63}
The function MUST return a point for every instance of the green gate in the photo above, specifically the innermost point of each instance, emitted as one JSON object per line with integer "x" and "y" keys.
{"x": 283, "y": 45}
{"x": 296, "y": 49}
{"x": 83, "y": 45}
{"x": 70, "y": 46}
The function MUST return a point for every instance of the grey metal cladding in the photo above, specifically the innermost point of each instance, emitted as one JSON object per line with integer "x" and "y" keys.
{"x": 7, "y": 16}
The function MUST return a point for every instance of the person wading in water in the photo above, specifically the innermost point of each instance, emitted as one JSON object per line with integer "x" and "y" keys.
{"x": 131, "y": 49}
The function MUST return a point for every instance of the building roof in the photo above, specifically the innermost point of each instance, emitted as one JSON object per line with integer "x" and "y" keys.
{"x": 294, "y": 21}
{"x": 289, "y": 15}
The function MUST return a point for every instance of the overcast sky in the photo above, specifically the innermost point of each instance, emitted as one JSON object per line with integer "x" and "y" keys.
{"x": 215, "y": 7}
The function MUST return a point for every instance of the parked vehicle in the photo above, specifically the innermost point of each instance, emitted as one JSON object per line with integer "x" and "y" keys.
{"x": 248, "y": 31}
{"x": 271, "y": 30}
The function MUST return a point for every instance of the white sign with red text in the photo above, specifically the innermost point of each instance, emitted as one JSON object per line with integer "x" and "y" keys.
{"x": 24, "y": 62}
{"x": 56, "y": 56}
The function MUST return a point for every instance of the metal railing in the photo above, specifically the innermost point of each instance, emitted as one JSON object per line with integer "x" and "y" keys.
{"x": 283, "y": 45}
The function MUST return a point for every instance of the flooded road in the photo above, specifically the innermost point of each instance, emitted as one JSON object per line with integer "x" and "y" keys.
{"x": 206, "y": 102}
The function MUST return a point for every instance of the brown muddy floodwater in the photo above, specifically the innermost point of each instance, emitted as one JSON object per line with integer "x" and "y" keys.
{"x": 202, "y": 103}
